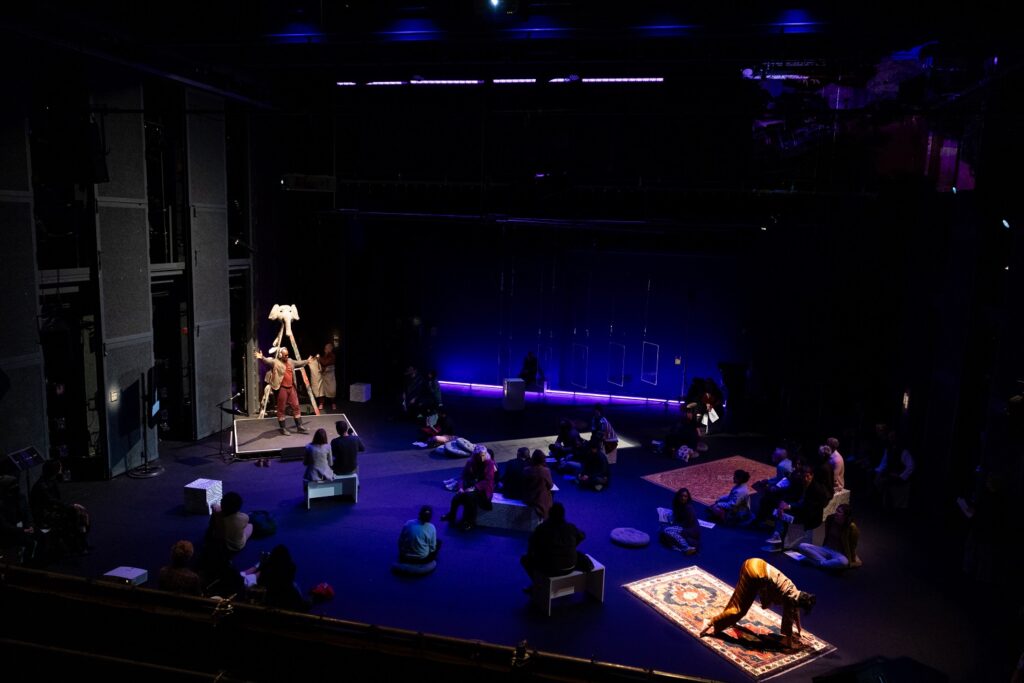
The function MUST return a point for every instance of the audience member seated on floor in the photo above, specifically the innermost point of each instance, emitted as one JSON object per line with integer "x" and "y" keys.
{"x": 733, "y": 507}
{"x": 807, "y": 510}
{"x": 683, "y": 533}
{"x": 220, "y": 577}
{"x": 537, "y": 485}
{"x": 475, "y": 490}
{"x": 511, "y": 474}
{"x": 319, "y": 460}
{"x": 840, "y": 545}
{"x": 837, "y": 464}
{"x": 568, "y": 443}
{"x": 276, "y": 575}
{"x": 773, "y": 488}
{"x": 68, "y": 522}
{"x": 16, "y": 530}
{"x": 594, "y": 473}
{"x": 684, "y": 431}
{"x": 418, "y": 542}
{"x": 229, "y": 524}
{"x": 892, "y": 476}
{"x": 440, "y": 430}
{"x": 599, "y": 424}
{"x": 346, "y": 448}
{"x": 758, "y": 578}
{"x": 178, "y": 576}
{"x": 551, "y": 550}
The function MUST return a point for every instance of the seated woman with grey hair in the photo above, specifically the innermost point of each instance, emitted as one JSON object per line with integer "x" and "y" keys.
{"x": 475, "y": 490}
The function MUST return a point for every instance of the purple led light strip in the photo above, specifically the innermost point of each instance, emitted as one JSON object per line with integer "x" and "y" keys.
{"x": 559, "y": 392}
{"x": 445, "y": 82}
{"x": 652, "y": 79}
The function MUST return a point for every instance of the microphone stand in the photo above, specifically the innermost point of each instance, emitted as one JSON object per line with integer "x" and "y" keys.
{"x": 145, "y": 471}
{"x": 220, "y": 441}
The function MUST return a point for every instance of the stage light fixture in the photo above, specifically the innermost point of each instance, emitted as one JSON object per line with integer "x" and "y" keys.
{"x": 1006, "y": 224}
{"x": 345, "y": 83}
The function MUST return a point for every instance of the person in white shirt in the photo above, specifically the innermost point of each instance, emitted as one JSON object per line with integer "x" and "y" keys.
{"x": 836, "y": 462}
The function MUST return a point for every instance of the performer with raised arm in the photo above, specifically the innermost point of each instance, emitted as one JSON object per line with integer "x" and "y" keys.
{"x": 282, "y": 380}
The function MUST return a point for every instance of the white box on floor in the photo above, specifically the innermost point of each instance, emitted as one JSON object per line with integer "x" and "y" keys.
{"x": 202, "y": 494}
{"x": 133, "y": 576}
{"x": 515, "y": 394}
{"x": 359, "y": 393}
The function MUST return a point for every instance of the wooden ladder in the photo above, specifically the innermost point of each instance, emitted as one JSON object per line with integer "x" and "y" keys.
{"x": 302, "y": 372}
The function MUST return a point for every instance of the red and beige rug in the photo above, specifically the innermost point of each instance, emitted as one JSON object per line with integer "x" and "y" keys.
{"x": 710, "y": 480}
{"x": 690, "y": 595}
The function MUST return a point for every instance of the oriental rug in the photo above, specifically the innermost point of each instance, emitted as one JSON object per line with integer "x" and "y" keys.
{"x": 690, "y": 595}
{"x": 710, "y": 480}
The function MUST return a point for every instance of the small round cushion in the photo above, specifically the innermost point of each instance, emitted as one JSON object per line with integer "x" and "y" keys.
{"x": 414, "y": 569}
{"x": 630, "y": 538}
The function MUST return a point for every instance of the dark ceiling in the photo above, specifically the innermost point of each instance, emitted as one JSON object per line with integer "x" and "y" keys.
{"x": 269, "y": 50}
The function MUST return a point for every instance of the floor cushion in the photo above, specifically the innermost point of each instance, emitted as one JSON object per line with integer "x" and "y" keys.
{"x": 630, "y": 538}
{"x": 409, "y": 569}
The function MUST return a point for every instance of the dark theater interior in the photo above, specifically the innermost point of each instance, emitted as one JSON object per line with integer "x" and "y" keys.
{"x": 767, "y": 252}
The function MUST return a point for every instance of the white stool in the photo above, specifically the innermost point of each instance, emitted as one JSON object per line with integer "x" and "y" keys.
{"x": 359, "y": 393}
{"x": 547, "y": 588}
{"x": 202, "y": 494}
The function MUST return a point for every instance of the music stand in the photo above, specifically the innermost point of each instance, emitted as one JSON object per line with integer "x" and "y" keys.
{"x": 147, "y": 470}
{"x": 24, "y": 460}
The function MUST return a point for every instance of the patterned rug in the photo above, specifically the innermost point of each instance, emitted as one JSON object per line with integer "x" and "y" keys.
{"x": 690, "y": 595}
{"x": 710, "y": 480}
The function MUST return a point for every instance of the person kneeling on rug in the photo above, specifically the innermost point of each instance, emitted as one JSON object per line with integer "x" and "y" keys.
{"x": 757, "y": 577}
{"x": 418, "y": 542}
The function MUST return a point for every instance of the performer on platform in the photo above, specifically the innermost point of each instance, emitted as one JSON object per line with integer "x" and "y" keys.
{"x": 282, "y": 380}
{"x": 757, "y": 577}
{"x": 324, "y": 382}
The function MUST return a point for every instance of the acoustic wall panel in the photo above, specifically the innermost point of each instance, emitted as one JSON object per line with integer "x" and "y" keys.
{"x": 22, "y": 404}
{"x": 208, "y": 260}
{"x": 125, "y": 305}
{"x": 123, "y": 239}
{"x": 18, "y": 278}
{"x": 125, "y": 405}
{"x": 212, "y": 341}
{"x": 14, "y": 174}
{"x": 207, "y": 150}
{"x": 121, "y": 139}
{"x": 209, "y": 265}
{"x": 22, "y": 381}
